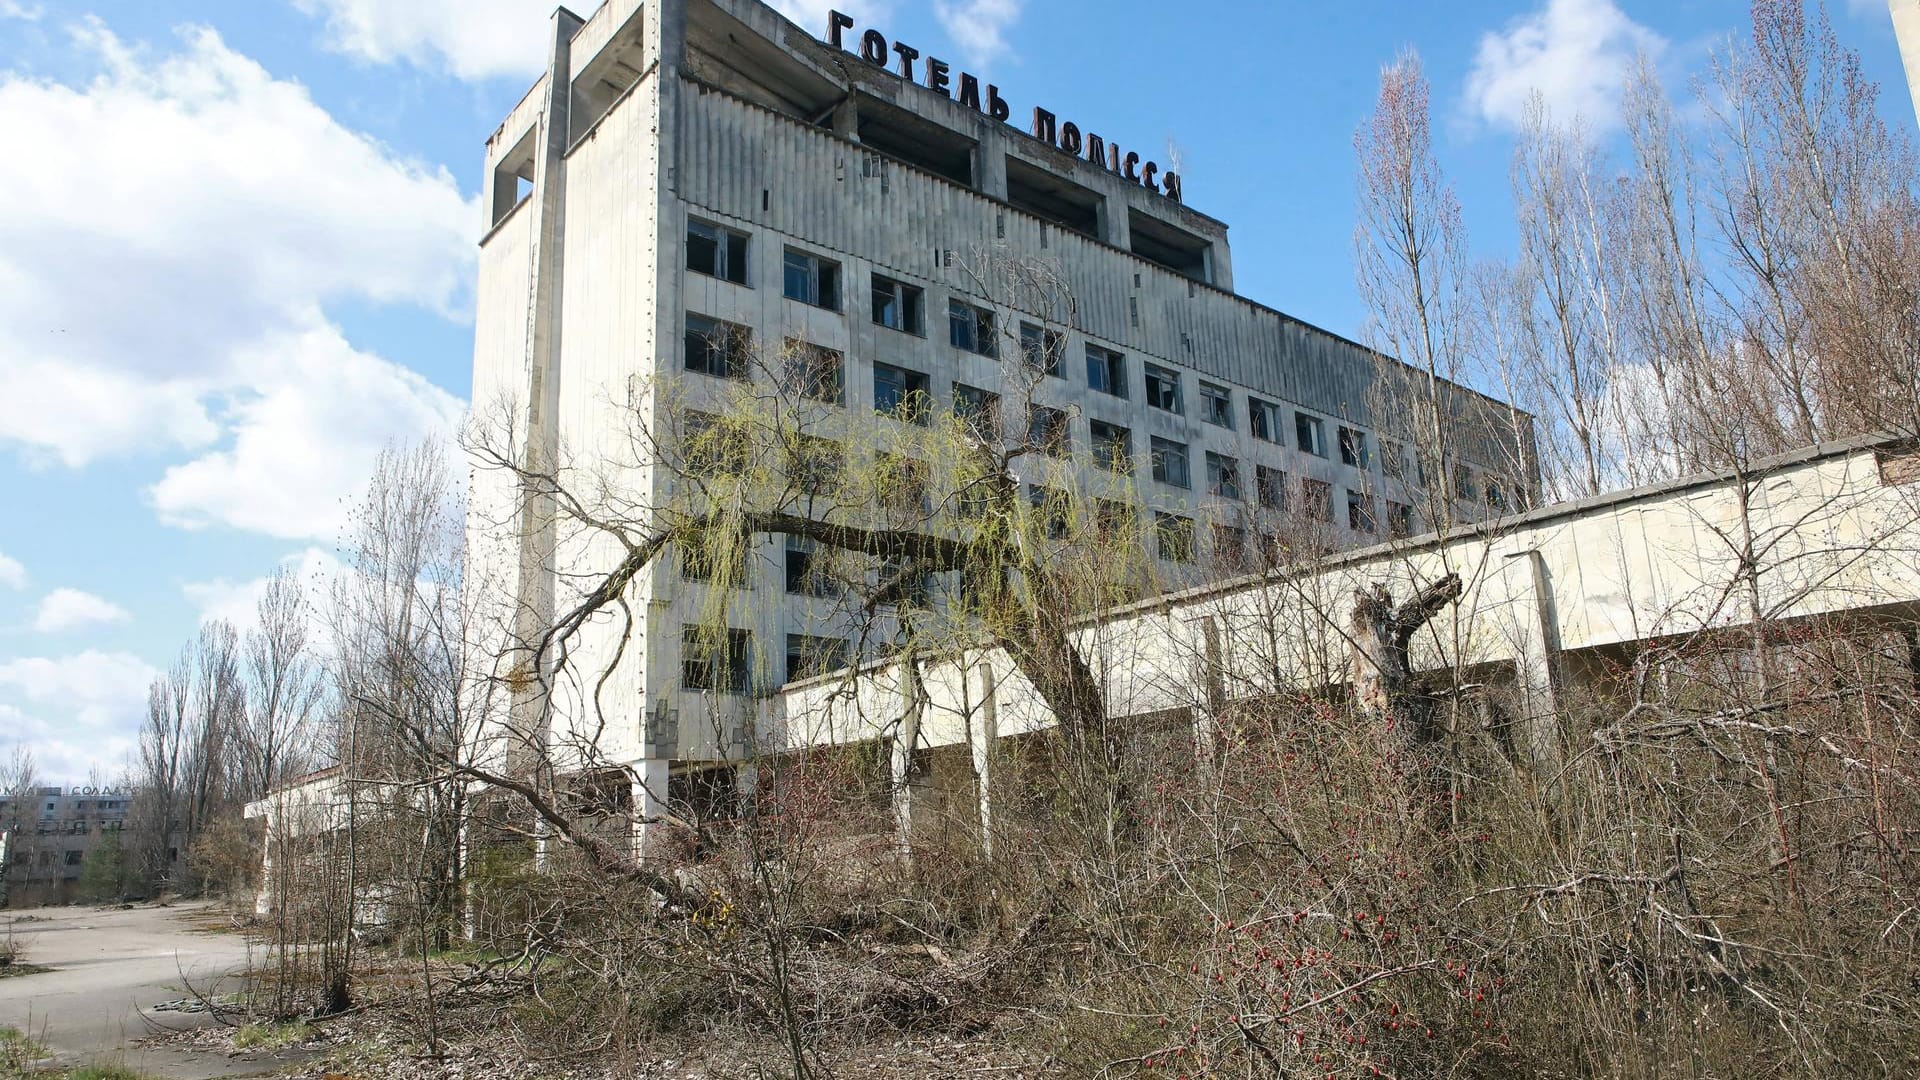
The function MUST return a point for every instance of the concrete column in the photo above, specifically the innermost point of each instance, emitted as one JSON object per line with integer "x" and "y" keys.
{"x": 990, "y": 168}
{"x": 981, "y": 735}
{"x": 649, "y": 802}
{"x": 906, "y": 737}
{"x": 263, "y": 898}
{"x": 1115, "y": 229}
{"x": 1207, "y": 712}
{"x": 1536, "y": 652}
{"x": 846, "y": 119}
{"x": 1906, "y": 30}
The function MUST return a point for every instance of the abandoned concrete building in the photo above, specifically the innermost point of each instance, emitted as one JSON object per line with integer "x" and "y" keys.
{"x": 46, "y": 835}
{"x": 697, "y": 183}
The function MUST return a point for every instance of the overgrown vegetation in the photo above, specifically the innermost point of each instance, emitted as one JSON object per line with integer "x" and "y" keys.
{"x": 1390, "y": 861}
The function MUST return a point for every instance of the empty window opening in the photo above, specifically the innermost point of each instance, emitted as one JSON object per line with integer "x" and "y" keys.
{"x": 1173, "y": 535}
{"x": 1223, "y": 477}
{"x": 1263, "y": 420}
{"x": 1047, "y": 430}
{"x": 811, "y": 279}
{"x": 900, "y": 134}
{"x": 1163, "y": 388}
{"x": 807, "y": 570}
{"x": 1353, "y": 448}
{"x": 717, "y": 251}
{"x": 716, "y": 659}
{"x": 900, "y": 393}
{"x": 971, "y": 328}
{"x": 1106, "y": 371}
{"x": 1051, "y": 512}
{"x": 1052, "y": 198}
{"x": 1042, "y": 348}
{"x": 899, "y": 306}
{"x": 1316, "y": 499}
{"x": 1359, "y": 512}
{"x": 1112, "y": 446}
{"x": 979, "y": 410}
{"x": 716, "y": 348}
{"x": 513, "y": 176}
{"x": 808, "y": 656}
{"x": 1271, "y": 485}
{"x": 1165, "y": 245}
{"x": 815, "y": 371}
{"x": 1310, "y": 433}
{"x": 1216, "y": 405}
{"x": 1170, "y": 462}
{"x": 1399, "y": 520}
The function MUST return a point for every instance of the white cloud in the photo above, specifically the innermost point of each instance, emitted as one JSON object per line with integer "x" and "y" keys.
{"x": 65, "y": 610}
{"x": 472, "y": 39}
{"x": 173, "y": 231}
{"x": 305, "y": 440}
{"x": 13, "y": 9}
{"x": 12, "y": 574}
{"x": 238, "y": 601}
{"x": 1574, "y": 53}
{"x": 84, "y": 710}
{"x": 978, "y": 27}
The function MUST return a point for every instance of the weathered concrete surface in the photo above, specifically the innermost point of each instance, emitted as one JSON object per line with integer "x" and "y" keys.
{"x": 109, "y": 969}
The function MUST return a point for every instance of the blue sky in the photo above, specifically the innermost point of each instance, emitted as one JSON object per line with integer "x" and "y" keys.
{"x": 236, "y": 246}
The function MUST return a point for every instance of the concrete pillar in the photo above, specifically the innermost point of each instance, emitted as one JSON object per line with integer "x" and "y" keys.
{"x": 1536, "y": 653}
{"x": 905, "y": 739}
{"x": 1906, "y": 30}
{"x": 982, "y": 731}
{"x": 846, "y": 119}
{"x": 1207, "y": 712}
{"x": 990, "y": 168}
{"x": 650, "y": 777}
{"x": 263, "y": 898}
{"x": 1115, "y": 229}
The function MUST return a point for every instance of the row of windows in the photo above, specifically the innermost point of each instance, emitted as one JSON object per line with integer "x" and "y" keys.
{"x": 720, "y": 659}
{"x": 724, "y": 350}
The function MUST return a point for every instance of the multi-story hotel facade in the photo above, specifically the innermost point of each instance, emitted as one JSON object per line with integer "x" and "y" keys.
{"x": 690, "y": 175}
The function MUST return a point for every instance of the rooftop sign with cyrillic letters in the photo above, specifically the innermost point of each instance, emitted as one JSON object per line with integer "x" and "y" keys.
{"x": 874, "y": 49}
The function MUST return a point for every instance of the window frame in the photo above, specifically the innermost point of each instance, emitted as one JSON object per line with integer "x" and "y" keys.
{"x": 1354, "y": 452}
{"x": 1270, "y": 487}
{"x": 905, "y": 408}
{"x": 1112, "y": 366}
{"x": 1167, "y": 381}
{"x": 1164, "y": 455}
{"x": 1103, "y": 457}
{"x": 981, "y": 328}
{"x": 1051, "y": 348}
{"x": 911, "y": 300}
{"x": 803, "y": 354}
{"x": 1223, "y": 476}
{"x": 731, "y": 342}
{"x": 822, "y": 278}
{"x": 1314, "y": 443}
{"x": 983, "y": 421}
{"x": 724, "y": 254}
{"x": 1211, "y": 394}
{"x": 1263, "y": 420}
{"x": 1057, "y": 440}
{"x": 1175, "y": 531}
{"x": 731, "y": 660}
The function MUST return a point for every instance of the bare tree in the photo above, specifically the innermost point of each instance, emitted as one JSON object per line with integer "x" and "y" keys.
{"x": 283, "y": 687}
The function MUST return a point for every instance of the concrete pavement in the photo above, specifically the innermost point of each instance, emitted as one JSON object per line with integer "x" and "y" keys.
{"x": 109, "y": 968}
